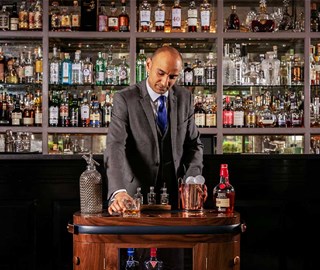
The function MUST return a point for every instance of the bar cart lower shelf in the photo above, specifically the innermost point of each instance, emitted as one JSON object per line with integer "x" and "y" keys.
{"x": 214, "y": 238}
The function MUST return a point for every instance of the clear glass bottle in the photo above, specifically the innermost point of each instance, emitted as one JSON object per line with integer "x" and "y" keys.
{"x": 124, "y": 72}
{"x": 141, "y": 71}
{"x": 224, "y": 193}
{"x": 87, "y": 71}
{"x": 55, "y": 66}
{"x": 205, "y": 16}
{"x": 54, "y": 109}
{"x": 188, "y": 74}
{"x": 124, "y": 20}
{"x": 228, "y": 67}
{"x": 164, "y": 196}
{"x": 286, "y": 22}
{"x": 38, "y": 65}
{"x": 153, "y": 263}
{"x": 66, "y": 70}
{"x": 111, "y": 74}
{"x": 151, "y": 196}
{"x": 198, "y": 73}
{"x": 77, "y": 69}
{"x": 159, "y": 16}
{"x": 192, "y": 17}
{"x": 233, "y": 21}
{"x": 211, "y": 112}
{"x": 145, "y": 16}
{"x": 211, "y": 69}
{"x": 238, "y": 113}
{"x": 176, "y": 17}
{"x": 29, "y": 69}
{"x": 139, "y": 195}
{"x": 131, "y": 262}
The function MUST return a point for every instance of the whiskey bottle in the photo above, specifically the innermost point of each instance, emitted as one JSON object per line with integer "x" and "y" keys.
{"x": 65, "y": 20}
{"x": 75, "y": 17}
{"x": 192, "y": 17}
{"x": 224, "y": 193}
{"x": 238, "y": 113}
{"x": 23, "y": 16}
{"x": 124, "y": 21}
{"x": 153, "y": 263}
{"x": 113, "y": 20}
{"x": 28, "y": 113}
{"x": 64, "y": 120}
{"x": 159, "y": 16}
{"x": 85, "y": 112}
{"x": 16, "y": 114}
{"x": 314, "y": 18}
{"x": 88, "y": 15}
{"x": 205, "y": 16}
{"x": 263, "y": 22}
{"x": 188, "y": 74}
{"x": 11, "y": 75}
{"x": 131, "y": 263}
{"x": 95, "y": 115}
{"x": 38, "y": 15}
{"x": 145, "y": 16}
{"x": 54, "y": 17}
{"x": 38, "y": 65}
{"x": 38, "y": 108}
{"x": 199, "y": 113}
{"x": 2, "y": 65}
{"x": 233, "y": 21}
{"x": 14, "y": 18}
{"x": 211, "y": 113}
{"x": 103, "y": 20}
{"x": 176, "y": 17}
{"x": 31, "y": 15}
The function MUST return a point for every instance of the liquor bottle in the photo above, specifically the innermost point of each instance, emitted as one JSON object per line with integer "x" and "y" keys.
{"x": 54, "y": 17}
{"x": 74, "y": 111}
{"x": 188, "y": 74}
{"x": 238, "y": 113}
{"x": 4, "y": 19}
{"x": 113, "y": 20}
{"x": 77, "y": 69}
{"x": 250, "y": 115}
{"x": 211, "y": 113}
{"x": 198, "y": 73}
{"x": 263, "y": 22}
{"x": 228, "y": 67}
{"x": 29, "y": 69}
{"x": 111, "y": 77}
{"x": 100, "y": 70}
{"x": 55, "y": 66}
{"x": 16, "y": 114}
{"x": 153, "y": 263}
{"x": 227, "y": 113}
{"x": 64, "y": 120}
{"x": 2, "y": 65}
{"x": 95, "y": 115}
{"x": 131, "y": 263}
{"x": 141, "y": 72}
{"x": 23, "y": 16}
{"x": 38, "y": 108}
{"x": 38, "y": 65}
{"x": 164, "y": 196}
{"x": 286, "y": 22}
{"x": 176, "y": 18}
{"x": 65, "y": 20}
{"x": 54, "y": 109}
{"x": 85, "y": 112}
{"x": 145, "y": 16}
{"x": 211, "y": 69}
{"x": 199, "y": 113}
{"x": 205, "y": 16}
{"x": 224, "y": 193}
{"x": 123, "y": 72}
{"x": 19, "y": 67}
{"x": 38, "y": 11}
{"x": 233, "y": 21}
{"x": 31, "y": 15}
{"x": 88, "y": 15}
{"x": 87, "y": 71}
{"x": 314, "y": 18}
{"x": 139, "y": 195}
{"x": 28, "y": 113}
{"x": 103, "y": 20}
{"x": 107, "y": 110}
{"x": 14, "y": 18}
{"x": 11, "y": 75}
{"x": 281, "y": 114}
{"x": 75, "y": 17}
{"x": 159, "y": 16}
{"x": 192, "y": 17}
{"x": 4, "y": 109}
{"x": 66, "y": 70}
{"x": 123, "y": 19}
{"x": 151, "y": 196}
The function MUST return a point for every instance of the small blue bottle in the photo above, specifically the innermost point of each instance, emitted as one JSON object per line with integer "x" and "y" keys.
{"x": 131, "y": 263}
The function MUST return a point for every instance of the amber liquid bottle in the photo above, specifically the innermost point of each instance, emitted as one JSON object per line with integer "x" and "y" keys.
{"x": 223, "y": 193}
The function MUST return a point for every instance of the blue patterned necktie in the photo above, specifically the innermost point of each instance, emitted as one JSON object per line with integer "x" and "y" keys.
{"x": 162, "y": 114}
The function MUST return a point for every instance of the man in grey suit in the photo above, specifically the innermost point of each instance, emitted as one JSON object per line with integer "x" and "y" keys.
{"x": 139, "y": 153}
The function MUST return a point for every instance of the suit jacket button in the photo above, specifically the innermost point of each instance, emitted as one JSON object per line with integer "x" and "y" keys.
{"x": 157, "y": 163}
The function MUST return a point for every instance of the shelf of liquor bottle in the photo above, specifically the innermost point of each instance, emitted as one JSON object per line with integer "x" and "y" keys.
{"x": 21, "y": 35}
{"x": 32, "y": 129}
{"x": 87, "y": 130}
{"x": 90, "y": 34}
{"x": 263, "y": 130}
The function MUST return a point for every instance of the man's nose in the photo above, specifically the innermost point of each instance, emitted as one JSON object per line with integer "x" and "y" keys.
{"x": 165, "y": 80}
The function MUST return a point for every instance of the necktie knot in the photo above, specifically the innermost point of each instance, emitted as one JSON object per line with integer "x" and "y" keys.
{"x": 162, "y": 114}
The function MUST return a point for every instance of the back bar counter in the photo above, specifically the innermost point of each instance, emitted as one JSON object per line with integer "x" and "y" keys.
{"x": 276, "y": 195}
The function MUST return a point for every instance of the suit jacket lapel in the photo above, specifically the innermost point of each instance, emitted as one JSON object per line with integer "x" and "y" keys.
{"x": 173, "y": 119}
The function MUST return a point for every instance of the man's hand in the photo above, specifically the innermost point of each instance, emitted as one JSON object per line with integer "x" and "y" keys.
{"x": 117, "y": 206}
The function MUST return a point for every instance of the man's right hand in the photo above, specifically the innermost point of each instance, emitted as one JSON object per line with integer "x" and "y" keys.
{"x": 118, "y": 206}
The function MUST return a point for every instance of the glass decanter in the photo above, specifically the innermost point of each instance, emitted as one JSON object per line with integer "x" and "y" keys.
{"x": 263, "y": 22}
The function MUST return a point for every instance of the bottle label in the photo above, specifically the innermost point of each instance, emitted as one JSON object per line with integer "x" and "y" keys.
{"x": 176, "y": 18}
{"x": 205, "y": 18}
{"x": 145, "y": 17}
{"x": 222, "y": 202}
{"x": 159, "y": 17}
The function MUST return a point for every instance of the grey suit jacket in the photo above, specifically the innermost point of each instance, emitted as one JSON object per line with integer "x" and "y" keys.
{"x": 132, "y": 155}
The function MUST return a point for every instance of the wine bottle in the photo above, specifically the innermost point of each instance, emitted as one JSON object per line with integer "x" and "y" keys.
{"x": 224, "y": 193}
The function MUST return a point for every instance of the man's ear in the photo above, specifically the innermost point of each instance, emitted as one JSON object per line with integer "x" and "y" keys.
{"x": 148, "y": 64}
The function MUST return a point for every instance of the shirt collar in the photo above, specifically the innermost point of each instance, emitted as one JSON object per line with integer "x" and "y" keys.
{"x": 153, "y": 94}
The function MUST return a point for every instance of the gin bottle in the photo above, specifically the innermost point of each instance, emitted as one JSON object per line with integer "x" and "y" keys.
{"x": 224, "y": 193}
{"x": 77, "y": 69}
{"x": 124, "y": 72}
{"x": 87, "y": 71}
{"x": 100, "y": 70}
{"x": 211, "y": 69}
{"x": 66, "y": 70}
{"x": 131, "y": 263}
{"x": 55, "y": 66}
{"x": 153, "y": 263}
{"x": 111, "y": 74}
{"x": 141, "y": 72}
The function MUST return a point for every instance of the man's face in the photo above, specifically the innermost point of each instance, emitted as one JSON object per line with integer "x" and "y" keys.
{"x": 164, "y": 70}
